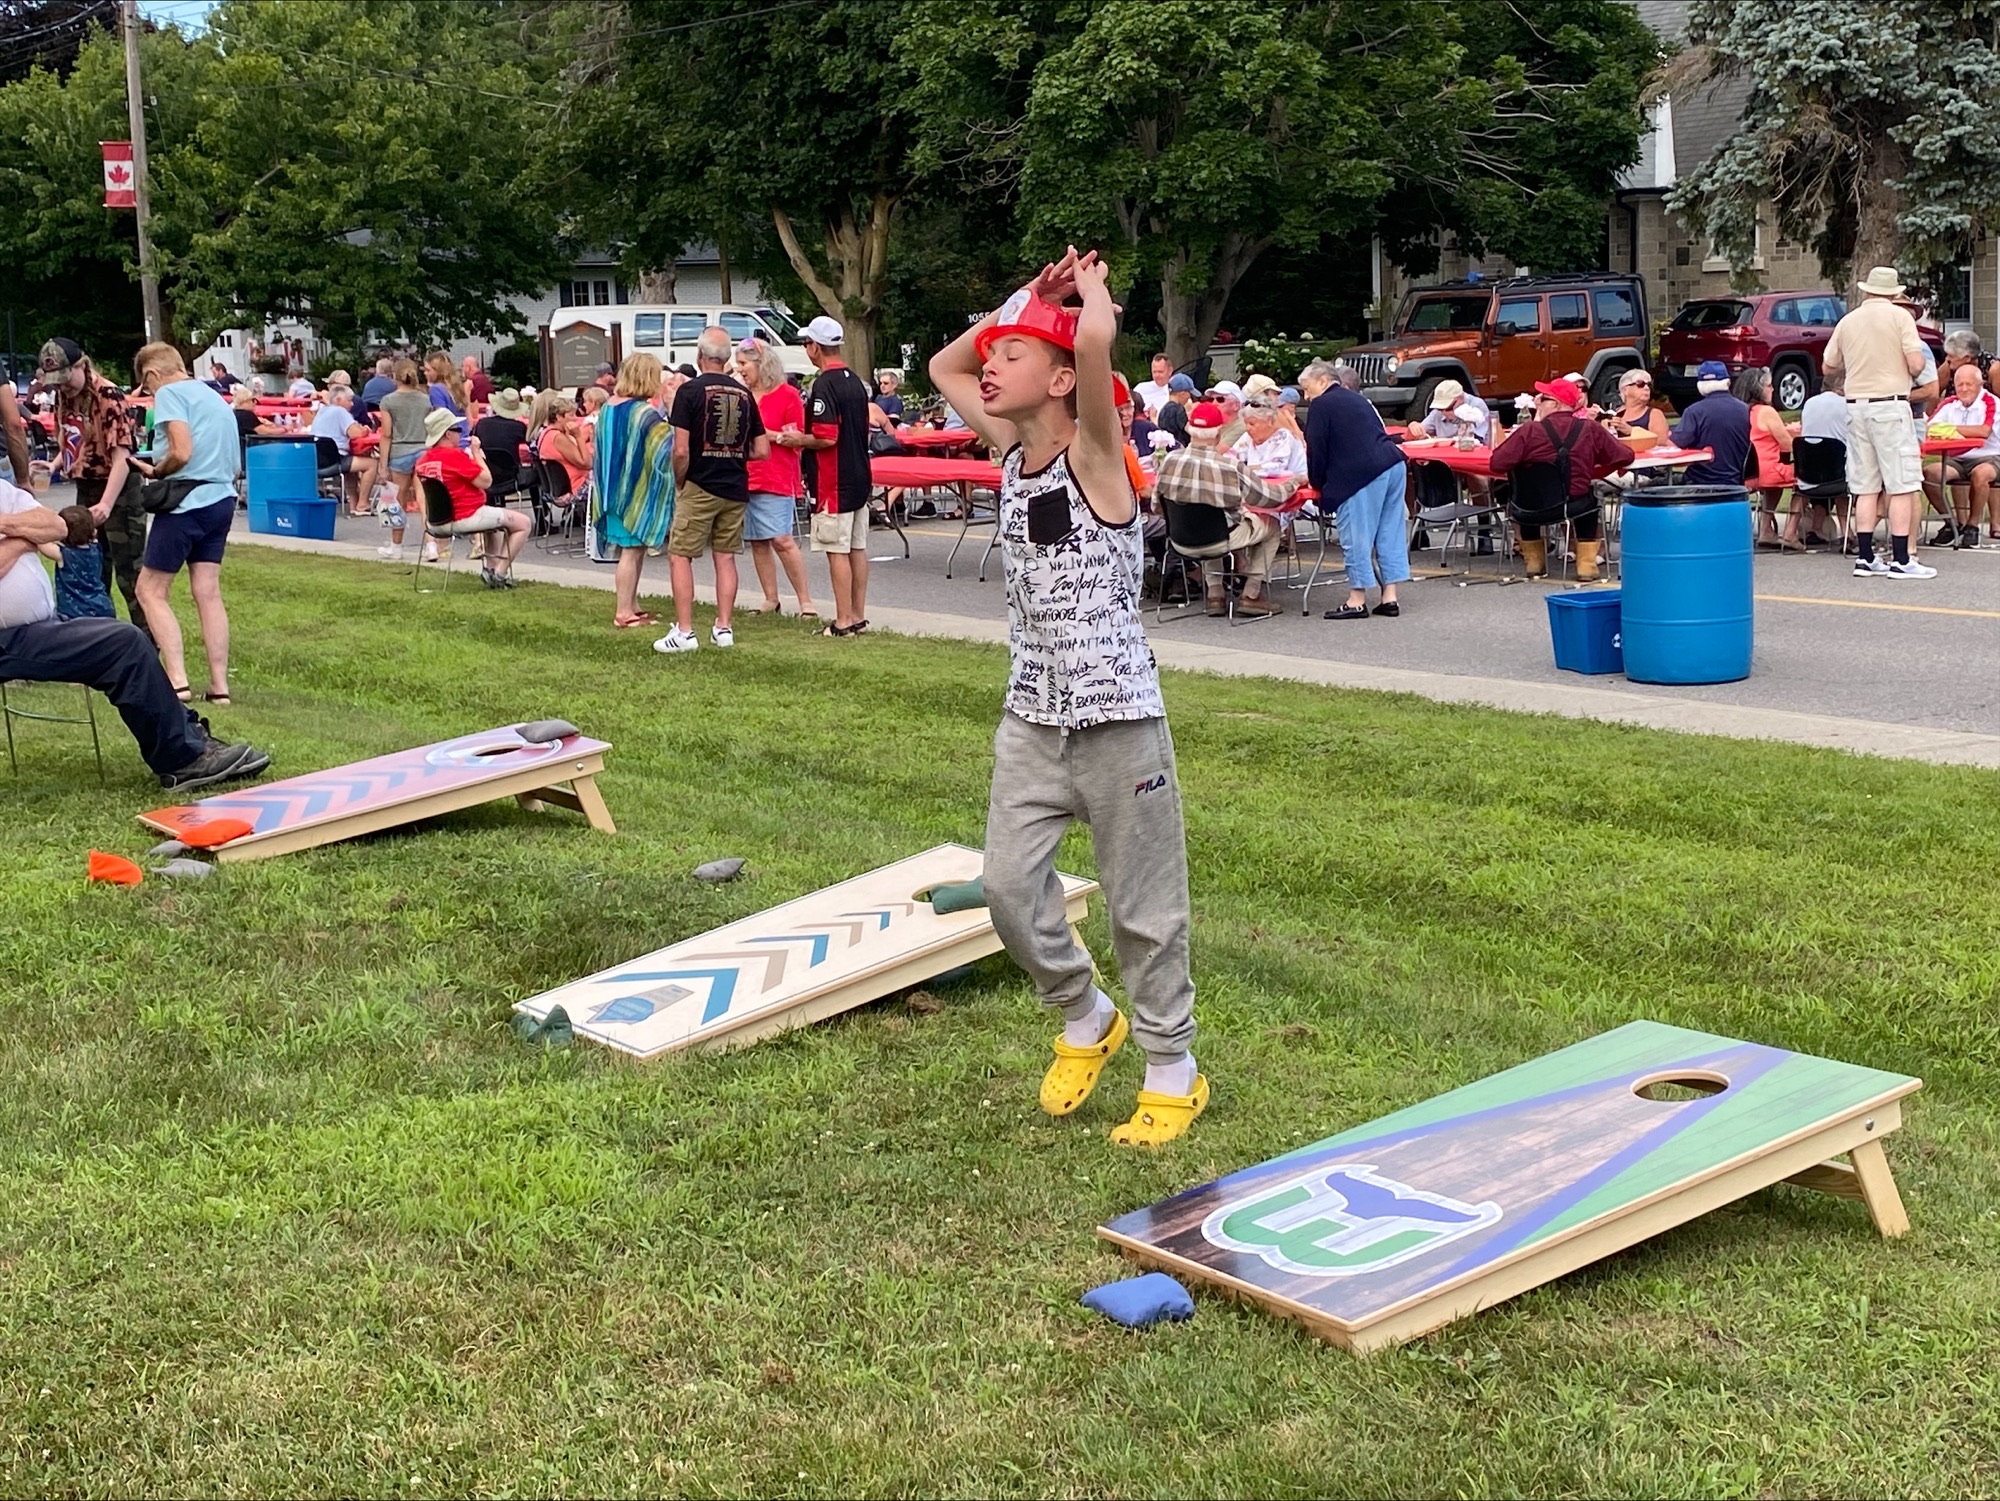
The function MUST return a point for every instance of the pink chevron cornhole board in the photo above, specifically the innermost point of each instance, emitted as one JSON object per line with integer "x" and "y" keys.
{"x": 793, "y": 965}
{"x": 368, "y": 796}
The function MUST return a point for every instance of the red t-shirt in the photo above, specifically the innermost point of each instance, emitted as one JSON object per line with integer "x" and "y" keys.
{"x": 456, "y": 470}
{"x": 779, "y": 474}
{"x": 480, "y": 387}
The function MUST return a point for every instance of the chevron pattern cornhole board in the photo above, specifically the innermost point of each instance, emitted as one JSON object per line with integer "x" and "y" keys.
{"x": 793, "y": 965}
{"x": 1394, "y": 1228}
{"x": 326, "y": 806}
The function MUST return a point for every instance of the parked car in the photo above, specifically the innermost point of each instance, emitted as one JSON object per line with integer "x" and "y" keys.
{"x": 1497, "y": 338}
{"x": 1785, "y": 330}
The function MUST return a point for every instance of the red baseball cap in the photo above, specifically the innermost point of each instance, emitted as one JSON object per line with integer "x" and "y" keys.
{"x": 1563, "y": 391}
{"x": 1207, "y": 415}
{"x": 1120, "y": 392}
{"x": 1026, "y": 314}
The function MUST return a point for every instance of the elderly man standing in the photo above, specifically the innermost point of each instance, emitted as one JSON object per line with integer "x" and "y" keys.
{"x": 1876, "y": 352}
{"x": 1202, "y": 475}
{"x": 718, "y": 432}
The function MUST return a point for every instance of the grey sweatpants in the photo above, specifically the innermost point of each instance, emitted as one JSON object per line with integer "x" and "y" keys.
{"x": 1119, "y": 778}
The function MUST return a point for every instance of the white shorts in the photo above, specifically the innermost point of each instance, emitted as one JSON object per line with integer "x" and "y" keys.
{"x": 485, "y": 519}
{"x": 1882, "y": 455}
{"x": 843, "y": 531}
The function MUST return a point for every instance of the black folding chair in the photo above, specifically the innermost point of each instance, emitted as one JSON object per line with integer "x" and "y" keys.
{"x": 332, "y": 481}
{"x": 438, "y": 523}
{"x": 1198, "y": 534}
{"x": 1541, "y": 498}
{"x": 1819, "y": 477}
{"x": 558, "y": 501}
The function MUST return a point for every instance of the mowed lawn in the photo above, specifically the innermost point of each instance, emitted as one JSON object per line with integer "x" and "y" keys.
{"x": 290, "y": 1209}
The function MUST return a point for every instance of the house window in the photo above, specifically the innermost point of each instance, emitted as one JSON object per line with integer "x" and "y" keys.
{"x": 1617, "y": 311}
{"x": 1713, "y": 262}
{"x": 1954, "y": 296}
{"x": 1567, "y": 311}
{"x": 649, "y": 331}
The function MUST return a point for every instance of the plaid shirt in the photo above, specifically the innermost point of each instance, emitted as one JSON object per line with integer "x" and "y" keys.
{"x": 103, "y": 422}
{"x": 1201, "y": 476}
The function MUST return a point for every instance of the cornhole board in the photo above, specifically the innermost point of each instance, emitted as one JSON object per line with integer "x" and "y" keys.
{"x": 367, "y": 796}
{"x": 1390, "y": 1230}
{"x": 793, "y": 965}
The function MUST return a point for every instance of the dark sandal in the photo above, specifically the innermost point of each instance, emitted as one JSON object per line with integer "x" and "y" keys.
{"x": 1347, "y": 612}
{"x": 220, "y": 700}
{"x": 857, "y": 628}
{"x": 184, "y": 693}
{"x": 839, "y": 630}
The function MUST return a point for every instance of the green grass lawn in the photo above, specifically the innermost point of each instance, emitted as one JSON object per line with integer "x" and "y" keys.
{"x": 290, "y": 1209}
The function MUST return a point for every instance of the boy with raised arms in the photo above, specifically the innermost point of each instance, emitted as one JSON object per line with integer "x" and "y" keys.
{"x": 1084, "y": 735}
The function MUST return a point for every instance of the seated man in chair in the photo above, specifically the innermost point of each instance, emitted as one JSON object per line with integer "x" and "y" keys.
{"x": 1201, "y": 475}
{"x": 111, "y": 656}
{"x": 1554, "y": 459}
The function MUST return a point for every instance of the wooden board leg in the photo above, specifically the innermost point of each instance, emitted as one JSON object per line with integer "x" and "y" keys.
{"x": 592, "y": 802}
{"x": 1878, "y": 1188}
{"x": 529, "y": 801}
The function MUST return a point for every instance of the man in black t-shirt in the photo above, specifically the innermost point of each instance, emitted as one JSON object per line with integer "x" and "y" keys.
{"x": 717, "y": 432}
{"x": 837, "y": 472}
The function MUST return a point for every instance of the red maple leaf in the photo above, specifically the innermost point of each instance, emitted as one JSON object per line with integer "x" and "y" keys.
{"x": 118, "y": 174}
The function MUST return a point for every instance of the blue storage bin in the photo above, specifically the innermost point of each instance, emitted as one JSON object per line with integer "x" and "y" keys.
{"x": 1686, "y": 577}
{"x": 1585, "y": 629}
{"x": 299, "y": 518}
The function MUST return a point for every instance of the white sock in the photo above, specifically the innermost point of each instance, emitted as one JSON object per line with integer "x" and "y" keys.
{"x": 1088, "y": 1030}
{"x": 1174, "y": 1076}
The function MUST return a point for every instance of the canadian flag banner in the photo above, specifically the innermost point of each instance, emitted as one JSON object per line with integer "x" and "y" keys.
{"x": 118, "y": 174}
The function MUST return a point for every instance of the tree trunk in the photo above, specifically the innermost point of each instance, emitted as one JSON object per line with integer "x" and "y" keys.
{"x": 722, "y": 272}
{"x": 1876, "y": 237}
{"x": 658, "y": 285}
{"x": 855, "y": 277}
{"x": 1190, "y": 318}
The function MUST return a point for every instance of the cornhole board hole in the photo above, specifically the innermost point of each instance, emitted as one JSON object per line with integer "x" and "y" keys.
{"x": 793, "y": 965}
{"x": 1390, "y": 1230}
{"x": 367, "y": 796}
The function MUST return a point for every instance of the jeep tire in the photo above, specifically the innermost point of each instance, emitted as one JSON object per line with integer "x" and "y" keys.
{"x": 1604, "y": 390}
{"x": 1420, "y": 404}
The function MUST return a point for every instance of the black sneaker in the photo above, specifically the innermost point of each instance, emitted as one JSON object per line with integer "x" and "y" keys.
{"x": 218, "y": 762}
{"x": 1946, "y": 536}
{"x": 1968, "y": 536}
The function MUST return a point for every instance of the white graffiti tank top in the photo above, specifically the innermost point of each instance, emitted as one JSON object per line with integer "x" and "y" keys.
{"x": 1079, "y": 655}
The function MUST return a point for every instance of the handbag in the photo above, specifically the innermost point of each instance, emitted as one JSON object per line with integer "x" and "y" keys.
{"x": 159, "y": 496}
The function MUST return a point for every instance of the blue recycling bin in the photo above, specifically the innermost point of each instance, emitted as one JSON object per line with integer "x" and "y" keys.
{"x": 278, "y": 469}
{"x": 1584, "y": 629}
{"x": 1685, "y": 575}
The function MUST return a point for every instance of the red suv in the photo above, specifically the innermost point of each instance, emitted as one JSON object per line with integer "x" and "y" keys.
{"x": 1784, "y": 330}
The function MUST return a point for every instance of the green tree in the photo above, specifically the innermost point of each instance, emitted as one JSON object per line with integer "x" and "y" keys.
{"x": 1869, "y": 127}
{"x": 295, "y": 173}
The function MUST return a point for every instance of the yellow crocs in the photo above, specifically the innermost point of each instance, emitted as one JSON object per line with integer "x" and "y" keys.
{"x": 1073, "y": 1075}
{"x": 1161, "y": 1118}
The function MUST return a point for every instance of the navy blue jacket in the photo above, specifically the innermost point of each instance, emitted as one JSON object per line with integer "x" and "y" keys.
{"x": 1721, "y": 423}
{"x": 1346, "y": 445}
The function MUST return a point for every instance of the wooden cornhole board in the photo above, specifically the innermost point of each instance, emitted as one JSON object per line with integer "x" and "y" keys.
{"x": 793, "y": 965}
{"x": 1394, "y": 1228}
{"x": 367, "y": 796}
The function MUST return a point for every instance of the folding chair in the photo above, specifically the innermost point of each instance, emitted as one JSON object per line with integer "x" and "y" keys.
{"x": 438, "y": 525}
{"x": 1541, "y": 499}
{"x": 1193, "y": 532}
{"x": 557, "y": 500}
{"x": 1441, "y": 503}
{"x": 9, "y": 714}
{"x": 1819, "y": 475}
{"x": 332, "y": 482}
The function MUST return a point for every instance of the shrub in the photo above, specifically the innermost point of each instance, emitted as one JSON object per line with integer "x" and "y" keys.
{"x": 1282, "y": 357}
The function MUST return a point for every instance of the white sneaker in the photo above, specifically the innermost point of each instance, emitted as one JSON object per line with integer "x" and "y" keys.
{"x": 1867, "y": 568}
{"x": 677, "y": 640}
{"x": 390, "y": 552}
{"x": 430, "y": 552}
{"x": 722, "y": 635}
{"x": 1910, "y": 570}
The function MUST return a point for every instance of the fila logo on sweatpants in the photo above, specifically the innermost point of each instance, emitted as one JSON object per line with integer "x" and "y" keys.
{"x": 1151, "y": 784}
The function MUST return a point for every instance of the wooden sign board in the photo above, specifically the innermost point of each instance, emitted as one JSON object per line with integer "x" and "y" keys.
{"x": 367, "y": 796}
{"x": 793, "y": 965}
{"x": 1394, "y": 1228}
{"x": 573, "y": 352}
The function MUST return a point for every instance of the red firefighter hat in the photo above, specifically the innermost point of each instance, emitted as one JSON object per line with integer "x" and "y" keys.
{"x": 1026, "y": 314}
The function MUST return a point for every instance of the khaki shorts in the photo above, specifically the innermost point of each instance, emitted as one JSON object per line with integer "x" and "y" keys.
{"x": 1882, "y": 456}
{"x": 485, "y": 519}
{"x": 845, "y": 531}
{"x": 1958, "y": 468}
{"x": 702, "y": 520}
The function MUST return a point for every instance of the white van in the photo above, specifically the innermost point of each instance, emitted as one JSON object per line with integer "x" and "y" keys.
{"x": 578, "y": 339}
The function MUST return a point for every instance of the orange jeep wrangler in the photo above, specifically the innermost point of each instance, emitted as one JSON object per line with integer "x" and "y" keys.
{"x": 1497, "y": 338}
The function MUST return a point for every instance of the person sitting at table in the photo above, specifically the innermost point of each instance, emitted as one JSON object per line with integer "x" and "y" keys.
{"x": 335, "y": 422}
{"x": 1266, "y": 446}
{"x": 1717, "y": 421}
{"x": 1201, "y": 475}
{"x": 1172, "y": 417}
{"x": 1288, "y": 412}
{"x": 556, "y": 433}
{"x": 1578, "y": 451}
{"x": 1455, "y": 413}
{"x": 1975, "y": 412}
{"x": 887, "y": 384}
{"x": 1635, "y": 420}
{"x": 1771, "y": 442}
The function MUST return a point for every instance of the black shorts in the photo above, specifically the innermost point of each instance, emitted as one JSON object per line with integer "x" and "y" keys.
{"x": 182, "y": 537}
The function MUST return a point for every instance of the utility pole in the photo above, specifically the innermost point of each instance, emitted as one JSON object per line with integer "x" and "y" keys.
{"x": 135, "y": 106}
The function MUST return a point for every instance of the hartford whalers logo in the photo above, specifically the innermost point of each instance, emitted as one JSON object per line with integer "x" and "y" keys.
{"x": 1343, "y": 1222}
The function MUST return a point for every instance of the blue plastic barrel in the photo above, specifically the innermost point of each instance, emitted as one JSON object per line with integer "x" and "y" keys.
{"x": 1685, "y": 577}
{"x": 278, "y": 469}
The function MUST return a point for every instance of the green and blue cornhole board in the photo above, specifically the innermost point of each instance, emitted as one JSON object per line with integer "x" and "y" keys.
{"x": 1390, "y": 1230}
{"x": 837, "y": 948}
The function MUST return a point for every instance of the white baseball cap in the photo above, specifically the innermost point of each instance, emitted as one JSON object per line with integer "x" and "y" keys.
{"x": 1226, "y": 388}
{"x": 823, "y": 331}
